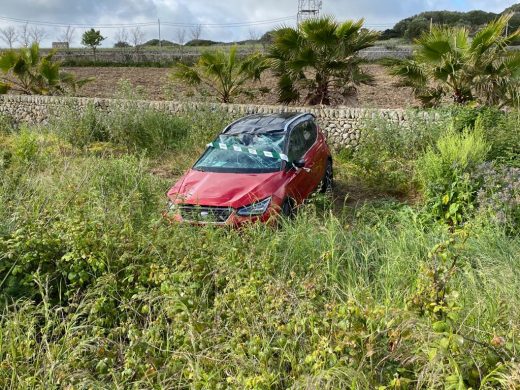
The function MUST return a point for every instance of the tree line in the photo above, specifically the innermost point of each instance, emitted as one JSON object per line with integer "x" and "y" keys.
{"x": 412, "y": 27}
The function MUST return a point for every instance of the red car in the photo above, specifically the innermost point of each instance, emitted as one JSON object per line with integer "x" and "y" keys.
{"x": 258, "y": 167}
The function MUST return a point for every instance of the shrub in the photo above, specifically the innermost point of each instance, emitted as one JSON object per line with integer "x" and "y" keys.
{"x": 318, "y": 62}
{"x": 450, "y": 64}
{"x": 27, "y": 72}
{"x": 499, "y": 193}
{"x": 386, "y": 152}
{"x": 444, "y": 174}
{"x": 502, "y": 132}
{"x": 25, "y": 146}
{"x": 224, "y": 73}
{"x": 97, "y": 290}
{"x": 129, "y": 126}
{"x": 149, "y": 130}
{"x": 7, "y": 125}
{"x": 80, "y": 128}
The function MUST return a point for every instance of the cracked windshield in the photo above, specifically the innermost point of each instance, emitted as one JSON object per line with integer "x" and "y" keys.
{"x": 248, "y": 156}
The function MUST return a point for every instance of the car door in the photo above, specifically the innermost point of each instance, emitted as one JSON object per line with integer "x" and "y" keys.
{"x": 303, "y": 145}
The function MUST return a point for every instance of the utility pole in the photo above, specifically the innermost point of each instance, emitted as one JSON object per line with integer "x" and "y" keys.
{"x": 159, "y": 24}
{"x": 431, "y": 24}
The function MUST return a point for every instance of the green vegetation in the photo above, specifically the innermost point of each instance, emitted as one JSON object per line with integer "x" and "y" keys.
{"x": 98, "y": 291}
{"x": 317, "y": 62}
{"x": 447, "y": 63}
{"x": 223, "y": 73}
{"x": 92, "y": 38}
{"x": 161, "y": 43}
{"x": 414, "y": 26}
{"x": 26, "y": 71}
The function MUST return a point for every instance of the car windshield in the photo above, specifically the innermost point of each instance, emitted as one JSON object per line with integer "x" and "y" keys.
{"x": 243, "y": 153}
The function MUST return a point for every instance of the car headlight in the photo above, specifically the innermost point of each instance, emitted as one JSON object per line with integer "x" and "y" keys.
{"x": 257, "y": 208}
{"x": 172, "y": 208}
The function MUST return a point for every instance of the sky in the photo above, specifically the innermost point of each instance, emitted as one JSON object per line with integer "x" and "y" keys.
{"x": 378, "y": 14}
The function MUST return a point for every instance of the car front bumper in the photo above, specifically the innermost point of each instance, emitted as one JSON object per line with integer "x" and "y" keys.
{"x": 233, "y": 220}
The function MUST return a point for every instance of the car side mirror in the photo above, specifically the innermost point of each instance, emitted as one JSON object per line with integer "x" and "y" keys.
{"x": 299, "y": 163}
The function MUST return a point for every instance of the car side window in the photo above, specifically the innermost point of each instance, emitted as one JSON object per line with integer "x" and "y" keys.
{"x": 310, "y": 133}
{"x": 296, "y": 143}
{"x": 301, "y": 140}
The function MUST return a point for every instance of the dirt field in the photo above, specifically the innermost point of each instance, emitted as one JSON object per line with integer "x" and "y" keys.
{"x": 155, "y": 84}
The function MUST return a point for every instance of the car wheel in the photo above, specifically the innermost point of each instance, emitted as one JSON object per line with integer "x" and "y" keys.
{"x": 287, "y": 208}
{"x": 327, "y": 183}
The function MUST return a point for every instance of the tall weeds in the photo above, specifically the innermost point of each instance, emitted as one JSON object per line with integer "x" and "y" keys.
{"x": 98, "y": 291}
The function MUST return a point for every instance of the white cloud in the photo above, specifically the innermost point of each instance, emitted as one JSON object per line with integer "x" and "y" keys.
{"x": 377, "y": 13}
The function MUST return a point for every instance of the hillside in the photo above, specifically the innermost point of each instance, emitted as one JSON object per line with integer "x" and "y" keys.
{"x": 413, "y": 26}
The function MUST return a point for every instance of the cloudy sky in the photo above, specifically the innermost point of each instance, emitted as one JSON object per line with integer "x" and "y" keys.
{"x": 379, "y": 14}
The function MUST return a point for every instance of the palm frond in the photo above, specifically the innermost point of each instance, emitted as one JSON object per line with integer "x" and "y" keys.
{"x": 437, "y": 44}
{"x": 287, "y": 39}
{"x": 319, "y": 31}
{"x": 490, "y": 35}
{"x": 34, "y": 54}
{"x": 287, "y": 92}
{"x": 7, "y": 60}
{"x": 349, "y": 28}
{"x": 186, "y": 74}
{"x": 4, "y": 87}
{"x": 431, "y": 97}
{"x": 411, "y": 73}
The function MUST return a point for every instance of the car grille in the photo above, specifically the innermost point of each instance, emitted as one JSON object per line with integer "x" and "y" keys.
{"x": 205, "y": 214}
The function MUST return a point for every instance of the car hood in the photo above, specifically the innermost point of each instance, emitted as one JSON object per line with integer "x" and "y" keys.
{"x": 224, "y": 189}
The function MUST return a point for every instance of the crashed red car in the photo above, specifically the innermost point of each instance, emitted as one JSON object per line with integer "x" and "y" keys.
{"x": 259, "y": 167}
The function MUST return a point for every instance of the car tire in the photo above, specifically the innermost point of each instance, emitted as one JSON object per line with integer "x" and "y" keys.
{"x": 327, "y": 183}
{"x": 287, "y": 209}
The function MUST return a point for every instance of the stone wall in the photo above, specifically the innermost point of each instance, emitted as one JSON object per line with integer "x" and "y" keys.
{"x": 342, "y": 125}
{"x": 191, "y": 54}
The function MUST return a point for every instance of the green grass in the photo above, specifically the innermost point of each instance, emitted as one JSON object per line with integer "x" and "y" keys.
{"x": 98, "y": 291}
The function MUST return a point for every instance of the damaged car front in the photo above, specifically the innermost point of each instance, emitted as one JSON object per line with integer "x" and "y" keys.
{"x": 239, "y": 179}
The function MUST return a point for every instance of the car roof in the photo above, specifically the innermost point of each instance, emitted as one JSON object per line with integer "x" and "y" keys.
{"x": 265, "y": 123}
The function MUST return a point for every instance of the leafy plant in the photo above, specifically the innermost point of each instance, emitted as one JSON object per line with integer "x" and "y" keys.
{"x": 26, "y": 71}
{"x": 499, "y": 193}
{"x": 92, "y": 38}
{"x": 318, "y": 62}
{"x": 223, "y": 73}
{"x": 449, "y": 64}
{"x": 444, "y": 174}
{"x": 96, "y": 290}
{"x": 385, "y": 157}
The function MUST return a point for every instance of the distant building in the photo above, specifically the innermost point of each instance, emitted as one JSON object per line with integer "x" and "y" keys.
{"x": 60, "y": 45}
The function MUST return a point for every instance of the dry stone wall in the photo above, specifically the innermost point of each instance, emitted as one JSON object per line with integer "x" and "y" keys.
{"x": 342, "y": 125}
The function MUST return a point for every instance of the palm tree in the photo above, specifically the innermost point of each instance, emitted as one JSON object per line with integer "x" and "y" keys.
{"x": 318, "y": 61}
{"x": 224, "y": 73}
{"x": 25, "y": 71}
{"x": 448, "y": 63}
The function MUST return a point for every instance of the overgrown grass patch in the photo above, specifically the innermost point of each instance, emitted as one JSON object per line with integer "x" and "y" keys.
{"x": 97, "y": 290}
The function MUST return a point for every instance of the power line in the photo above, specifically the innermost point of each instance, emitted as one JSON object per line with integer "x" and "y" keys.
{"x": 235, "y": 24}
{"x": 148, "y": 24}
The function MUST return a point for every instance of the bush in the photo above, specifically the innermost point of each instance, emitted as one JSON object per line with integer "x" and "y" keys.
{"x": 216, "y": 308}
{"x": 80, "y": 128}
{"x": 444, "y": 174}
{"x": 502, "y": 132}
{"x": 7, "y": 125}
{"x": 97, "y": 286}
{"x": 499, "y": 193}
{"x": 386, "y": 153}
{"x": 148, "y": 130}
{"x": 129, "y": 126}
